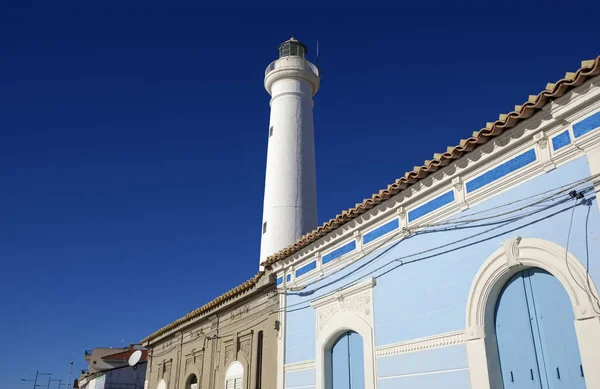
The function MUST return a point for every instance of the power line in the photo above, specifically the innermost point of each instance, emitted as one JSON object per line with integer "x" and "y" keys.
{"x": 556, "y": 192}
{"x": 401, "y": 262}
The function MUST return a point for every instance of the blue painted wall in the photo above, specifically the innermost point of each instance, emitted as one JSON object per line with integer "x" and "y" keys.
{"x": 300, "y": 331}
{"x": 301, "y": 378}
{"x": 426, "y": 293}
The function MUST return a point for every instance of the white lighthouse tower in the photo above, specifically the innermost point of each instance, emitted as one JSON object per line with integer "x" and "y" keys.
{"x": 290, "y": 203}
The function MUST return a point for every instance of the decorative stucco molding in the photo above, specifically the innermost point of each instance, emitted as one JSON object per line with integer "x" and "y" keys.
{"x": 543, "y": 150}
{"x": 228, "y": 354}
{"x": 435, "y": 341}
{"x": 511, "y": 250}
{"x": 355, "y": 299}
{"x": 246, "y": 347}
{"x": 528, "y": 252}
{"x": 297, "y": 366}
{"x": 459, "y": 193}
{"x": 359, "y": 304}
{"x": 349, "y": 309}
{"x": 514, "y": 255}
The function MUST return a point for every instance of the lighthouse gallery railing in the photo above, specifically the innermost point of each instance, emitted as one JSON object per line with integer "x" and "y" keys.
{"x": 310, "y": 66}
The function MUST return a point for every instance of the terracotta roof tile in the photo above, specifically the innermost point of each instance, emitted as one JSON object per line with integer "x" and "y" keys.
{"x": 534, "y": 103}
{"x": 232, "y": 293}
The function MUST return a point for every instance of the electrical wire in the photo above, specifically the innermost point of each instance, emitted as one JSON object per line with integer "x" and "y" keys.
{"x": 588, "y": 291}
{"x": 555, "y": 192}
{"x": 402, "y": 262}
{"x": 422, "y": 252}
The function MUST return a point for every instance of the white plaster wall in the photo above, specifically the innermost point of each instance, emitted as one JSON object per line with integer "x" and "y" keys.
{"x": 290, "y": 201}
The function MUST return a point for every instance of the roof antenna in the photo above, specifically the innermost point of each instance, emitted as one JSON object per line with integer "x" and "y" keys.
{"x": 317, "y": 59}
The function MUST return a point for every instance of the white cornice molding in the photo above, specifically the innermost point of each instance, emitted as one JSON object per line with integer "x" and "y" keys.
{"x": 297, "y": 366}
{"x": 429, "y": 342}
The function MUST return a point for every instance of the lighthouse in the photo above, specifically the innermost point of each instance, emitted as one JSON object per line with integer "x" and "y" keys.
{"x": 290, "y": 201}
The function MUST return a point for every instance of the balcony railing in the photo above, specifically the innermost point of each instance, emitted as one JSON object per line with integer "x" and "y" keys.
{"x": 309, "y": 65}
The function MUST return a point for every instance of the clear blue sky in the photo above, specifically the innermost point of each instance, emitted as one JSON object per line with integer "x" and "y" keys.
{"x": 133, "y": 141}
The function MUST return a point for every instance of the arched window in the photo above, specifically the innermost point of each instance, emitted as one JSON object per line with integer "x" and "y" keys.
{"x": 192, "y": 382}
{"x": 537, "y": 344}
{"x": 234, "y": 376}
{"x": 347, "y": 362}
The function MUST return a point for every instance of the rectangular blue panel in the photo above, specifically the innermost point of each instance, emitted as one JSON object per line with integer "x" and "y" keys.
{"x": 431, "y": 206}
{"x": 339, "y": 252}
{"x": 380, "y": 231}
{"x": 300, "y": 378}
{"x": 500, "y": 171}
{"x": 288, "y": 277}
{"x": 279, "y": 281}
{"x": 306, "y": 268}
{"x": 437, "y": 359}
{"x": 561, "y": 140}
{"x": 586, "y": 125}
{"x": 300, "y": 331}
{"x": 453, "y": 379}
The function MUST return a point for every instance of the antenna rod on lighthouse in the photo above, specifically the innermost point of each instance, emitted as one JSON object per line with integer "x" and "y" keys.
{"x": 317, "y": 59}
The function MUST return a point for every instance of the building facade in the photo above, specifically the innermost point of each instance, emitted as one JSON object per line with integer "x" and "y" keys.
{"x": 109, "y": 369}
{"x": 228, "y": 343}
{"x": 105, "y": 358}
{"x": 475, "y": 270}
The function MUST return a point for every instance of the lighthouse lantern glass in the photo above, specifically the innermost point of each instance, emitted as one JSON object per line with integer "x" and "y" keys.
{"x": 291, "y": 49}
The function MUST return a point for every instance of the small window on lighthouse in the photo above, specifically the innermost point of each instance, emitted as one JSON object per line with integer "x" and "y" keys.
{"x": 271, "y": 131}
{"x": 264, "y": 227}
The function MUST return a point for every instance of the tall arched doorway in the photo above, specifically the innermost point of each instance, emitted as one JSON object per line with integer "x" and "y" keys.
{"x": 347, "y": 362}
{"x": 535, "y": 334}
